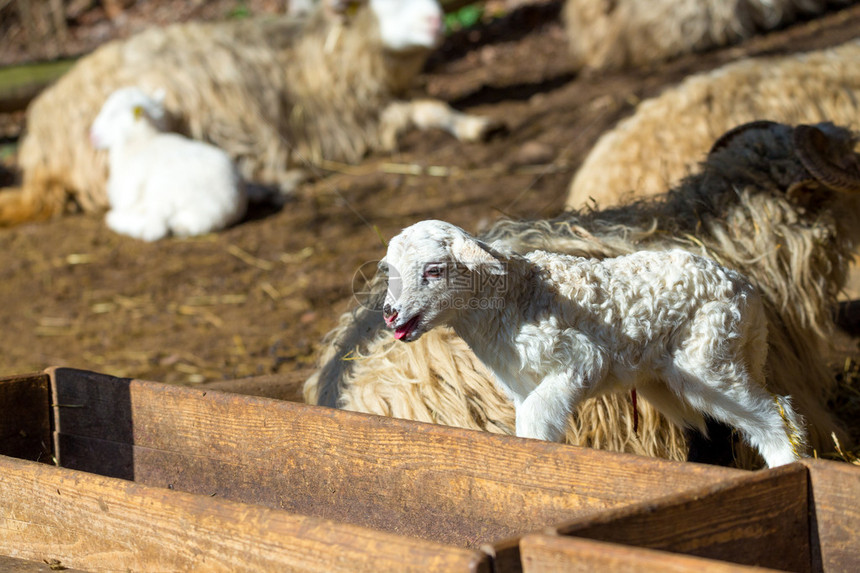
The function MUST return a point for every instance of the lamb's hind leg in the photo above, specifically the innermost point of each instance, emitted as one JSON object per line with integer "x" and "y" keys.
{"x": 768, "y": 423}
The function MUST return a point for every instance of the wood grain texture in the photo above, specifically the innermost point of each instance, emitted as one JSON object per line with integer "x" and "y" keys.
{"x": 12, "y": 565}
{"x": 98, "y": 523}
{"x": 835, "y": 493}
{"x": 444, "y": 484}
{"x": 278, "y": 386}
{"x": 759, "y": 519}
{"x": 555, "y": 554}
{"x": 25, "y": 427}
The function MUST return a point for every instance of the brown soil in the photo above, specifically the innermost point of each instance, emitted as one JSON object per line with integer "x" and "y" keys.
{"x": 259, "y": 297}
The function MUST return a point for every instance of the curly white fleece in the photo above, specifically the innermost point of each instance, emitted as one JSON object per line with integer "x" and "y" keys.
{"x": 555, "y": 329}
{"x": 162, "y": 183}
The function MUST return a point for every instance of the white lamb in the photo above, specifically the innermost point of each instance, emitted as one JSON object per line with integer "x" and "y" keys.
{"x": 162, "y": 183}
{"x": 556, "y": 329}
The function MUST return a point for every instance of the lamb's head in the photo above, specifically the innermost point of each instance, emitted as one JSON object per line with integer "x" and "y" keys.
{"x": 406, "y": 25}
{"x": 435, "y": 272}
{"x": 122, "y": 113}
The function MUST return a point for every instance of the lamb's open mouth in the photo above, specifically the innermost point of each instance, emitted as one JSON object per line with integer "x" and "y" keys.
{"x": 407, "y": 328}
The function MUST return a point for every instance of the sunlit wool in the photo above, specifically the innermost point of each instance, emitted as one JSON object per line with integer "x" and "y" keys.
{"x": 616, "y": 34}
{"x": 161, "y": 182}
{"x": 647, "y": 154}
{"x": 687, "y": 334}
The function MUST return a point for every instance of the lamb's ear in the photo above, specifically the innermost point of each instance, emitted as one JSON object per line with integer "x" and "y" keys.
{"x": 382, "y": 266}
{"x": 137, "y": 111}
{"x": 476, "y": 256}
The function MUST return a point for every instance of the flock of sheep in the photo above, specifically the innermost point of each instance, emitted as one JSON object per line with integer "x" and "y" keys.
{"x": 708, "y": 235}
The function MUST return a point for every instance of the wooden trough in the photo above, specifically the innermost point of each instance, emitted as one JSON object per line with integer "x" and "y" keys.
{"x": 105, "y": 474}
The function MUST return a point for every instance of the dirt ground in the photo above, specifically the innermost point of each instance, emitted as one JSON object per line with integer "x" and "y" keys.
{"x": 259, "y": 297}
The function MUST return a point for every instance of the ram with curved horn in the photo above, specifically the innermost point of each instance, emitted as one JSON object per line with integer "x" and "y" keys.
{"x": 646, "y": 155}
{"x": 794, "y": 247}
{"x": 814, "y": 151}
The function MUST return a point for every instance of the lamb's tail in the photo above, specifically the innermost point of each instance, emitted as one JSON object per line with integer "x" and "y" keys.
{"x": 31, "y": 202}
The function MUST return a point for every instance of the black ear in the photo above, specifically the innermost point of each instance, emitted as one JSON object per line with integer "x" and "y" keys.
{"x": 725, "y": 139}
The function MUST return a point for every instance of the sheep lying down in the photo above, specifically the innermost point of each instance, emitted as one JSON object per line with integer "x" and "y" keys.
{"x": 556, "y": 329}
{"x": 279, "y": 95}
{"x": 162, "y": 183}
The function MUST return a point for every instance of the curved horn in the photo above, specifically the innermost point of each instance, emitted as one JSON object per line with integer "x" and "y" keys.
{"x": 726, "y": 138}
{"x": 813, "y": 149}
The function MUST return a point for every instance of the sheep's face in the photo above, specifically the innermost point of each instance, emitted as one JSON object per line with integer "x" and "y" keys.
{"x": 406, "y": 25}
{"x": 432, "y": 276}
{"x": 121, "y": 113}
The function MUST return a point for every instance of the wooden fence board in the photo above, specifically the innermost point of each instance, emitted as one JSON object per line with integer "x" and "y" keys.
{"x": 448, "y": 485}
{"x": 98, "y": 523}
{"x": 426, "y": 491}
{"x": 759, "y": 519}
{"x": 114, "y": 459}
{"x": 25, "y": 427}
{"x": 12, "y": 565}
{"x": 278, "y": 386}
{"x": 557, "y": 554}
{"x": 835, "y": 500}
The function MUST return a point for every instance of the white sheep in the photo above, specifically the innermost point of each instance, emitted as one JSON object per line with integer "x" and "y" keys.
{"x": 556, "y": 329}
{"x": 160, "y": 182}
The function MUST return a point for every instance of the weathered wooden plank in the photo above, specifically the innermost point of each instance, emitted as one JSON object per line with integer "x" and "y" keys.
{"x": 12, "y": 565}
{"x": 835, "y": 514}
{"x": 92, "y": 405}
{"x": 444, "y": 484}
{"x": 25, "y": 426}
{"x": 114, "y": 459}
{"x": 278, "y": 386}
{"x": 103, "y": 524}
{"x": 757, "y": 519}
{"x": 557, "y": 554}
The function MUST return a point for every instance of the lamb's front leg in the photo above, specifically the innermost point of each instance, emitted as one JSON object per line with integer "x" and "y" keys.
{"x": 401, "y": 116}
{"x": 544, "y": 412}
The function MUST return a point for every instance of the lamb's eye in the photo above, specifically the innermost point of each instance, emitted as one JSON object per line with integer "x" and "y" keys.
{"x": 434, "y": 272}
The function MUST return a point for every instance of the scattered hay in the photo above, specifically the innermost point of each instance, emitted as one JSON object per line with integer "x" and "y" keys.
{"x": 846, "y": 404}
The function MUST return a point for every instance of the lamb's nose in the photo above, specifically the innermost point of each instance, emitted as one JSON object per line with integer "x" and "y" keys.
{"x": 389, "y": 314}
